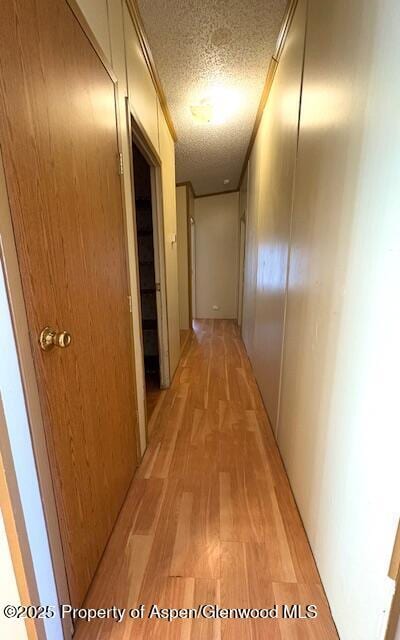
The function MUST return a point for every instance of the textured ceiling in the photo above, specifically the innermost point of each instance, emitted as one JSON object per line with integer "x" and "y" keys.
{"x": 200, "y": 44}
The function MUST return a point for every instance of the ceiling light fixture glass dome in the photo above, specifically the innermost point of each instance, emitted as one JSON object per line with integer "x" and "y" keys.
{"x": 219, "y": 106}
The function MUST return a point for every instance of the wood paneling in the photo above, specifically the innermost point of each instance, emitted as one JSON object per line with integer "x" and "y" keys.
{"x": 210, "y": 517}
{"x": 59, "y": 142}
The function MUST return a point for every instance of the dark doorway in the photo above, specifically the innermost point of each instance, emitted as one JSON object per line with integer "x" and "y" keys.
{"x": 147, "y": 276}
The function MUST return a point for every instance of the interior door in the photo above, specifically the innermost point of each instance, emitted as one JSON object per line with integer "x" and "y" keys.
{"x": 59, "y": 145}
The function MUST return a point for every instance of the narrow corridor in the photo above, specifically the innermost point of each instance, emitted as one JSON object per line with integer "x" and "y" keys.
{"x": 210, "y": 517}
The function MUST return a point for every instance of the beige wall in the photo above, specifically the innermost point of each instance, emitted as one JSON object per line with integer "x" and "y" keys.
{"x": 112, "y": 26}
{"x": 270, "y": 201}
{"x": 183, "y": 263}
{"x": 217, "y": 255}
{"x": 337, "y": 429}
{"x": 167, "y": 154}
{"x": 250, "y": 266}
{"x": 142, "y": 94}
{"x": 242, "y": 245}
{"x": 192, "y": 252}
{"x": 96, "y": 14}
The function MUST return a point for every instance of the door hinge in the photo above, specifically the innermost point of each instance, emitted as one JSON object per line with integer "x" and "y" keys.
{"x": 120, "y": 164}
{"x": 130, "y": 303}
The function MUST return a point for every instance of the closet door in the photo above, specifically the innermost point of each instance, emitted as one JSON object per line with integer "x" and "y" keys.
{"x": 59, "y": 144}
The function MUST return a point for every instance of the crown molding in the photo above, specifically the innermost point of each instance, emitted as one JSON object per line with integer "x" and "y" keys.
{"x": 188, "y": 184}
{"x": 286, "y": 22}
{"x": 216, "y": 193}
{"x": 263, "y": 101}
{"x": 280, "y": 43}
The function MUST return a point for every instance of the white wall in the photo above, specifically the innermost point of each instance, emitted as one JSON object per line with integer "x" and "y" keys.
{"x": 338, "y": 427}
{"x": 183, "y": 258}
{"x": 217, "y": 255}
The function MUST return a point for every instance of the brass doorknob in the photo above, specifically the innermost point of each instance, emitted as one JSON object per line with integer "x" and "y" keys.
{"x": 50, "y": 338}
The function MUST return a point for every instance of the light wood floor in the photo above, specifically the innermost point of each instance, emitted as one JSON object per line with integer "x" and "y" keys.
{"x": 153, "y": 392}
{"x": 210, "y": 517}
{"x": 184, "y": 335}
{"x": 153, "y": 395}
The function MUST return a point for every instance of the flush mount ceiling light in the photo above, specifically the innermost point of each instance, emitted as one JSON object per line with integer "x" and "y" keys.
{"x": 203, "y": 111}
{"x": 219, "y": 106}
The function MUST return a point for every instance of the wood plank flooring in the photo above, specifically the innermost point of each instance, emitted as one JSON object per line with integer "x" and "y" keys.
{"x": 184, "y": 335}
{"x": 210, "y": 517}
{"x": 153, "y": 394}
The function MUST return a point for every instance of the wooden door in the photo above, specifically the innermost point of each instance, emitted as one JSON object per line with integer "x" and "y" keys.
{"x": 59, "y": 145}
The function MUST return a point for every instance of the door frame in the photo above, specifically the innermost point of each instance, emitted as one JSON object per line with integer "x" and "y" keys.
{"x": 393, "y": 624}
{"x": 189, "y": 223}
{"x": 192, "y": 268}
{"x": 242, "y": 258}
{"x": 138, "y": 136}
{"x": 394, "y": 614}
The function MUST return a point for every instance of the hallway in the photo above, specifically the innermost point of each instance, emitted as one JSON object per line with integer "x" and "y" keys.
{"x": 210, "y": 516}
{"x": 199, "y": 336}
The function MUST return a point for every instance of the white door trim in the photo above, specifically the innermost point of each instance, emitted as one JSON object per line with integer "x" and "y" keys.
{"x": 138, "y": 136}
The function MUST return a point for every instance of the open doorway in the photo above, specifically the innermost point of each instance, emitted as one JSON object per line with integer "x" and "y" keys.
{"x": 148, "y": 263}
